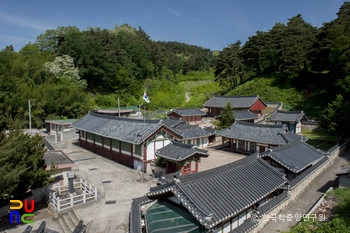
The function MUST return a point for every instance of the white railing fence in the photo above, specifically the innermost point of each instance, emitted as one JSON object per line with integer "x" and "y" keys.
{"x": 89, "y": 193}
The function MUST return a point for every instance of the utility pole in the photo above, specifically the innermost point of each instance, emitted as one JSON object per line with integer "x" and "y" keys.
{"x": 30, "y": 118}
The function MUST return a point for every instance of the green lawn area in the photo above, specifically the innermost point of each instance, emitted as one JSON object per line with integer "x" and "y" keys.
{"x": 190, "y": 84}
{"x": 318, "y": 139}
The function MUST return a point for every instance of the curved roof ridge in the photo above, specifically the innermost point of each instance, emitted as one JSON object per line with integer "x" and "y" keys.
{"x": 294, "y": 111}
{"x": 259, "y": 125}
{"x": 123, "y": 118}
{"x": 238, "y": 96}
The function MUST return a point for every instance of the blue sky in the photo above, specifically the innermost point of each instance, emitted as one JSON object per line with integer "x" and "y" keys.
{"x": 210, "y": 24}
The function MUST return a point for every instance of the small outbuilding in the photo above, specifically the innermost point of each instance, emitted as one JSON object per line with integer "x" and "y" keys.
{"x": 216, "y": 104}
{"x": 59, "y": 125}
{"x": 292, "y": 119}
{"x": 190, "y": 115}
{"x": 181, "y": 157}
{"x": 59, "y": 159}
{"x": 344, "y": 176}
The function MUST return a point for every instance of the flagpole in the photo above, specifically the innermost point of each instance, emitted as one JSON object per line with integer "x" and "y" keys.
{"x": 118, "y": 107}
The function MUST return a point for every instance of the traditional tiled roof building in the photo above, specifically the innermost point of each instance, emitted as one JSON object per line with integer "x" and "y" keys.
{"x": 249, "y": 138}
{"x": 131, "y": 142}
{"x": 294, "y": 158}
{"x": 222, "y": 199}
{"x": 292, "y": 119}
{"x": 181, "y": 157}
{"x": 190, "y": 115}
{"x": 217, "y": 103}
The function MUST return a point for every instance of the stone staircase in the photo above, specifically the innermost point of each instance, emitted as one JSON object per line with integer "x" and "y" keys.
{"x": 68, "y": 221}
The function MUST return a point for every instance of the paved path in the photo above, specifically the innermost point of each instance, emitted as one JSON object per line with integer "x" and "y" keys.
{"x": 303, "y": 203}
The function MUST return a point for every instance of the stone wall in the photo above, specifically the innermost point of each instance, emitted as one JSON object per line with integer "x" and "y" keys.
{"x": 334, "y": 152}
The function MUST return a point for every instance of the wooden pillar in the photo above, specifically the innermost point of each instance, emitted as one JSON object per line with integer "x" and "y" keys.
{"x": 223, "y": 139}
{"x": 132, "y": 156}
{"x": 243, "y": 147}
{"x": 145, "y": 151}
{"x": 182, "y": 170}
{"x": 196, "y": 167}
{"x": 110, "y": 144}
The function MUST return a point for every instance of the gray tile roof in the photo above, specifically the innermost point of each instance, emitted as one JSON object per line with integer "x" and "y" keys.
{"x": 295, "y": 156}
{"x": 216, "y": 195}
{"x": 188, "y": 112}
{"x": 172, "y": 122}
{"x": 244, "y": 114}
{"x": 291, "y": 137}
{"x": 245, "y": 227}
{"x": 344, "y": 170}
{"x": 266, "y": 208}
{"x": 260, "y": 133}
{"x": 135, "y": 214}
{"x": 235, "y": 101}
{"x": 177, "y": 151}
{"x": 134, "y": 131}
{"x": 290, "y": 116}
{"x": 297, "y": 180}
{"x": 191, "y": 131}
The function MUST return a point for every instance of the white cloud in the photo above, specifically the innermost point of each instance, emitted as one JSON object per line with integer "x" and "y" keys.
{"x": 174, "y": 12}
{"x": 23, "y": 22}
{"x": 18, "y": 39}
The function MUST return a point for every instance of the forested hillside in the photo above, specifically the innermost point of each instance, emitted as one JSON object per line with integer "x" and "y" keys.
{"x": 68, "y": 71}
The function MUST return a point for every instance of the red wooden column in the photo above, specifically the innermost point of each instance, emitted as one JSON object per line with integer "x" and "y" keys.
{"x": 144, "y": 155}
{"x": 166, "y": 167}
{"x": 196, "y": 167}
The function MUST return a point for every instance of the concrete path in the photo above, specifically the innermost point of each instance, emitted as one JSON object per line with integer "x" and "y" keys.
{"x": 218, "y": 158}
{"x": 309, "y": 197}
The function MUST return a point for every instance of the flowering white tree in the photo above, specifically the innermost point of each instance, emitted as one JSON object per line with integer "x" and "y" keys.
{"x": 63, "y": 67}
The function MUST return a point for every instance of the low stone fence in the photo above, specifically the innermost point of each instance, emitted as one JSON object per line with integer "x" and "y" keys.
{"x": 310, "y": 125}
{"x": 334, "y": 152}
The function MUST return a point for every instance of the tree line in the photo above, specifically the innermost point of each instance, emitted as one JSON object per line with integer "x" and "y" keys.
{"x": 66, "y": 68}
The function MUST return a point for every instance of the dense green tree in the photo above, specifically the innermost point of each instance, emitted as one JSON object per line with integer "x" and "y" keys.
{"x": 227, "y": 117}
{"x": 255, "y": 53}
{"x": 334, "y": 119}
{"x": 229, "y": 67}
{"x": 22, "y": 164}
{"x": 298, "y": 39}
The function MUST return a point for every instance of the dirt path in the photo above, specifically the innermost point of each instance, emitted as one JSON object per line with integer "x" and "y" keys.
{"x": 187, "y": 97}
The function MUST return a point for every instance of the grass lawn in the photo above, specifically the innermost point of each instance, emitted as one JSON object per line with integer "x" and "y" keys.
{"x": 190, "y": 84}
{"x": 318, "y": 139}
